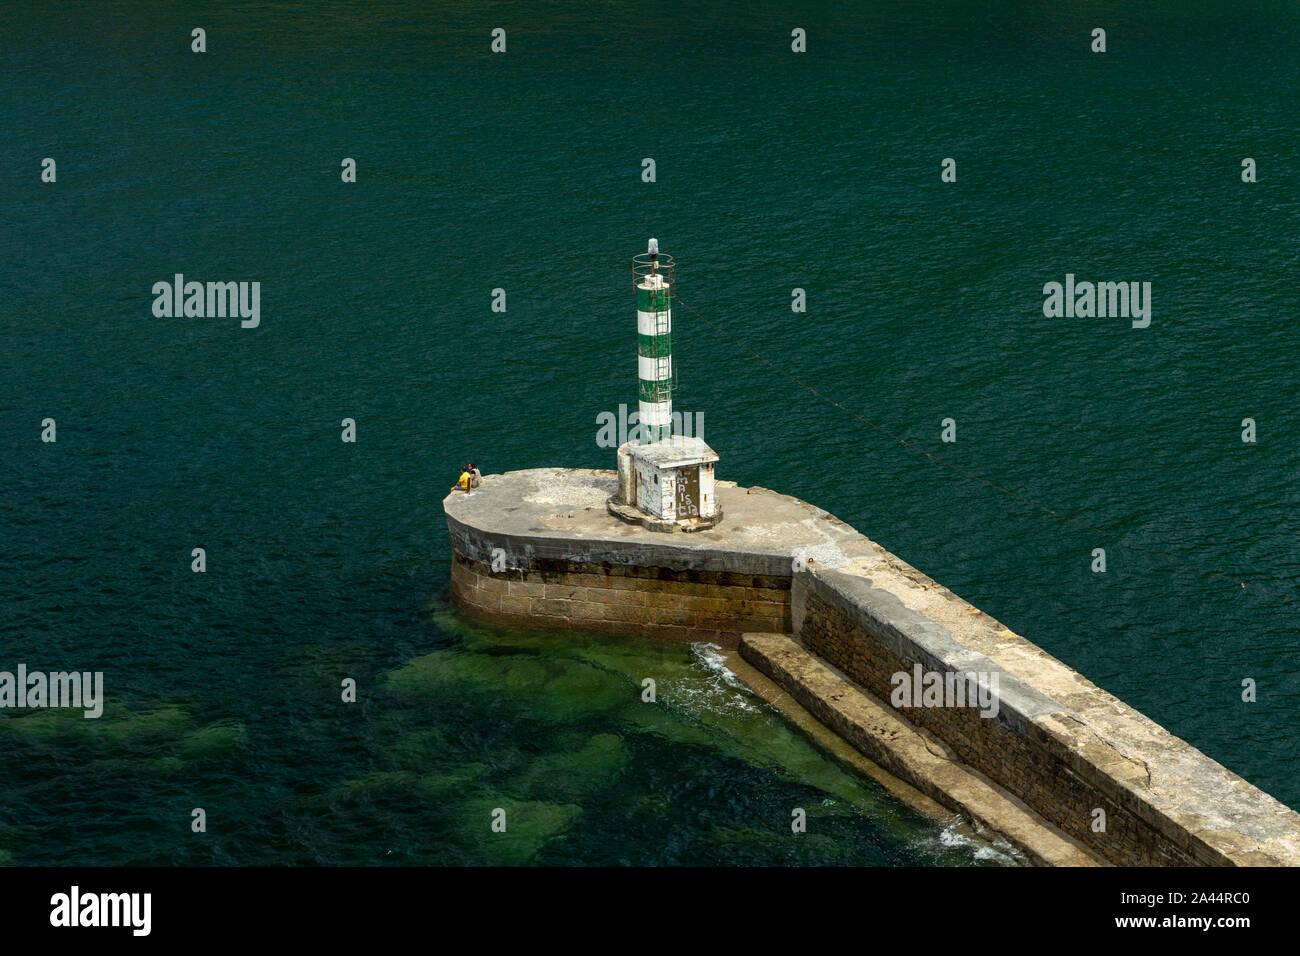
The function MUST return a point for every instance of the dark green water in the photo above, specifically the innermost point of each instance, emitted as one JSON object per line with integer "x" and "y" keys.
{"x": 821, "y": 171}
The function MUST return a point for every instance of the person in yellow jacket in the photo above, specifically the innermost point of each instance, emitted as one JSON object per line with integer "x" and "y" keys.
{"x": 463, "y": 482}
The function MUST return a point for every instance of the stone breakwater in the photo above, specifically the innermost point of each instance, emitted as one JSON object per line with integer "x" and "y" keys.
{"x": 537, "y": 548}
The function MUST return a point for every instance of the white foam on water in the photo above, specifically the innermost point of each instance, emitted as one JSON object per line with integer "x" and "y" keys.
{"x": 957, "y": 834}
{"x": 717, "y": 689}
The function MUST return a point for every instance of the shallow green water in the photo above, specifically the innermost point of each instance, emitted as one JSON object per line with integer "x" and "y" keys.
{"x": 550, "y": 735}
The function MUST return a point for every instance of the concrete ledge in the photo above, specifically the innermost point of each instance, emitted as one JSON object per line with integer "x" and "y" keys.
{"x": 909, "y": 753}
{"x": 560, "y": 514}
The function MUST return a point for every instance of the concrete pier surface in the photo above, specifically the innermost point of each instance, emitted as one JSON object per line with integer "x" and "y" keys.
{"x": 560, "y": 513}
{"x": 1078, "y": 772}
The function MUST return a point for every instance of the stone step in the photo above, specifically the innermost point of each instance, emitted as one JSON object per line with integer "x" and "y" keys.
{"x": 908, "y": 752}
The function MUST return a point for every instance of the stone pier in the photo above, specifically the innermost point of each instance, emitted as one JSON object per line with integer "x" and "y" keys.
{"x": 1068, "y": 772}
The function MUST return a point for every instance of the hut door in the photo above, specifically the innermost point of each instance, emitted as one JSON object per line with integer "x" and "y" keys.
{"x": 688, "y": 493}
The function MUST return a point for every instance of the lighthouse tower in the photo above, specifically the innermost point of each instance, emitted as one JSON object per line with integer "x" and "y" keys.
{"x": 655, "y": 285}
{"x": 665, "y": 479}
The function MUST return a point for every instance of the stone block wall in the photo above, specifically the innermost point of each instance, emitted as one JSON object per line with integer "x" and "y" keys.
{"x": 1048, "y": 756}
{"x": 682, "y": 605}
{"x": 1025, "y": 766}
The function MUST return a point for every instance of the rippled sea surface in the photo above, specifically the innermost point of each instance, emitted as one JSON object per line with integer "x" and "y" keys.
{"x": 522, "y": 171}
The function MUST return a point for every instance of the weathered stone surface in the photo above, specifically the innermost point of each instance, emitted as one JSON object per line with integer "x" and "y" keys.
{"x": 909, "y": 753}
{"x": 1060, "y": 743}
{"x": 546, "y": 515}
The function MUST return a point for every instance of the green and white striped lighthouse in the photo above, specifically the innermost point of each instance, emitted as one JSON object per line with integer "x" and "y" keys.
{"x": 665, "y": 481}
{"x": 655, "y": 287}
